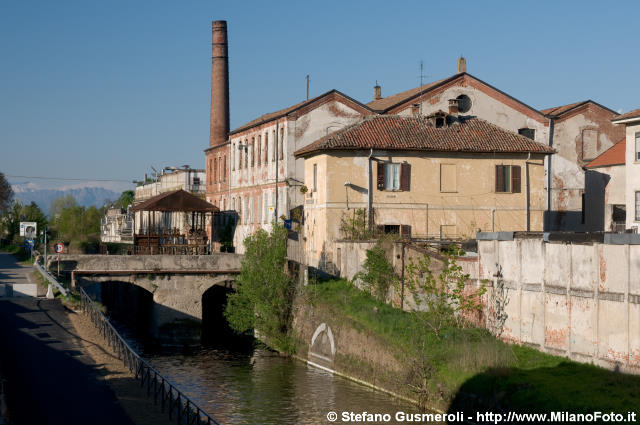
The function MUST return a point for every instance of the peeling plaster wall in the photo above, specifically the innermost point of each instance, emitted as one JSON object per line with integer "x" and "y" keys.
{"x": 578, "y": 137}
{"x": 250, "y": 182}
{"x": 570, "y": 299}
{"x": 487, "y": 107}
{"x": 474, "y": 204}
{"x": 632, "y": 175}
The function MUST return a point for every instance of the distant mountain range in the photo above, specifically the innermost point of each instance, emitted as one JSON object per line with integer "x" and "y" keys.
{"x": 85, "y": 196}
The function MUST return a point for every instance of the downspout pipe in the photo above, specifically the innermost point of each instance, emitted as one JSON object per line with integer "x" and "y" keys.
{"x": 549, "y": 179}
{"x": 370, "y": 194}
{"x": 527, "y": 194}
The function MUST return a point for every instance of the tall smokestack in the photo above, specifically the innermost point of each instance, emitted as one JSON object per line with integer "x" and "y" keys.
{"x": 219, "y": 124}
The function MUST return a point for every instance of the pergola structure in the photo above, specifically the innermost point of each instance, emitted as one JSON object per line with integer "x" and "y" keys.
{"x": 172, "y": 233}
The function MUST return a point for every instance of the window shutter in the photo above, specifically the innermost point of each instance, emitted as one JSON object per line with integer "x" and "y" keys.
{"x": 405, "y": 175}
{"x": 405, "y": 231}
{"x": 515, "y": 179}
{"x": 499, "y": 178}
{"x": 381, "y": 175}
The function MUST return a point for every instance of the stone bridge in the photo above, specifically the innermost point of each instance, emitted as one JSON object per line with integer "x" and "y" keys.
{"x": 176, "y": 283}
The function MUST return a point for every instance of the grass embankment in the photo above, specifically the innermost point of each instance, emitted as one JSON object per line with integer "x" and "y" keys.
{"x": 473, "y": 370}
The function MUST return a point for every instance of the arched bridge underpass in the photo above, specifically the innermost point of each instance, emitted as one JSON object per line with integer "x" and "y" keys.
{"x": 177, "y": 285}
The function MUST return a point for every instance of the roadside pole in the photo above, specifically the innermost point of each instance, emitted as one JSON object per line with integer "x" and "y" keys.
{"x": 45, "y": 248}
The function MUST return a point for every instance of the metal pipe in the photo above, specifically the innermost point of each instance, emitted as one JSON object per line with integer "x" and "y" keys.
{"x": 275, "y": 143}
{"x": 369, "y": 193}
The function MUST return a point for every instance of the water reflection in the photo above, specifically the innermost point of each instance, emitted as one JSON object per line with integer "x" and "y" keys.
{"x": 265, "y": 388}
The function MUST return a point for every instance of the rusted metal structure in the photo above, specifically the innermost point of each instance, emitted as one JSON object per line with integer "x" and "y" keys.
{"x": 155, "y": 237}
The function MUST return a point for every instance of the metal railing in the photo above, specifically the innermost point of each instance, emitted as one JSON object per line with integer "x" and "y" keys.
{"x": 171, "y": 399}
{"x": 50, "y": 278}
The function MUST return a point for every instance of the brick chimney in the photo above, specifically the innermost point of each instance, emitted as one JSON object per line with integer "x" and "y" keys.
{"x": 454, "y": 107}
{"x": 377, "y": 92}
{"x": 219, "y": 122}
{"x": 462, "y": 65}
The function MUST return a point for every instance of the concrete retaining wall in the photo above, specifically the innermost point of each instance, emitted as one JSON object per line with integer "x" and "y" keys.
{"x": 577, "y": 299}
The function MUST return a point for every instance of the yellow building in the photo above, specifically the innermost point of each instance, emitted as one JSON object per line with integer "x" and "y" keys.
{"x": 441, "y": 176}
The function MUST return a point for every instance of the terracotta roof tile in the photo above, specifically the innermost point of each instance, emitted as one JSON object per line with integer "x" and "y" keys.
{"x": 615, "y": 155}
{"x": 391, "y": 101}
{"x": 282, "y": 112}
{"x": 394, "y": 132}
{"x": 631, "y": 114}
{"x": 559, "y": 110}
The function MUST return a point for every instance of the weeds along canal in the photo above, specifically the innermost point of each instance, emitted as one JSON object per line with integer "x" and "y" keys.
{"x": 240, "y": 381}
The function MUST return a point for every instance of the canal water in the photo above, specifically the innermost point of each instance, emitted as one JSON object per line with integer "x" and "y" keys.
{"x": 255, "y": 385}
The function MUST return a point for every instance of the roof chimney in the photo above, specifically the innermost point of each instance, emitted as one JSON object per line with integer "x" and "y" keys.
{"x": 219, "y": 121}
{"x": 454, "y": 108}
{"x": 462, "y": 65}
{"x": 377, "y": 92}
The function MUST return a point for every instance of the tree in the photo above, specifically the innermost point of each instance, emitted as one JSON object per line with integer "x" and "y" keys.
{"x": 443, "y": 303}
{"x": 60, "y": 204}
{"x": 377, "y": 274}
{"x": 445, "y": 298}
{"x": 125, "y": 199}
{"x": 6, "y": 194}
{"x": 17, "y": 213}
{"x": 264, "y": 290}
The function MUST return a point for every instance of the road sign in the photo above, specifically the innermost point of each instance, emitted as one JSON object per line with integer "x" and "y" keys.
{"x": 59, "y": 247}
{"x": 28, "y": 229}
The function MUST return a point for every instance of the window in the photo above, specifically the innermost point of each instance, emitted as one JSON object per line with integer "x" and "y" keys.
{"x": 529, "y": 133}
{"x": 266, "y": 147}
{"x": 246, "y": 153}
{"x": 393, "y": 176}
{"x": 273, "y": 150}
{"x": 215, "y": 170}
{"x": 233, "y": 164}
{"x": 265, "y": 208}
{"x": 637, "y": 206}
{"x": 464, "y": 103}
{"x": 224, "y": 176}
{"x": 258, "y": 209}
{"x": 211, "y": 171}
{"x": 281, "y": 144}
{"x": 253, "y": 151}
{"x": 196, "y": 181}
{"x": 240, "y": 156}
{"x": 637, "y": 147}
{"x": 315, "y": 177}
{"x": 508, "y": 178}
{"x": 259, "y": 151}
{"x": 448, "y": 178}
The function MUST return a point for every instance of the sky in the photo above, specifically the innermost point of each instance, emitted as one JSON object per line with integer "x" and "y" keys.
{"x": 107, "y": 90}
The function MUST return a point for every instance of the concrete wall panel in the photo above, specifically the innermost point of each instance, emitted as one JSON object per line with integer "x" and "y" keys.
{"x": 612, "y": 332}
{"x": 556, "y": 332}
{"x": 532, "y": 329}
{"x": 583, "y": 273}
{"x": 532, "y": 260}
{"x": 582, "y": 325}
{"x": 612, "y": 268}
{"x": 558, "y": 264}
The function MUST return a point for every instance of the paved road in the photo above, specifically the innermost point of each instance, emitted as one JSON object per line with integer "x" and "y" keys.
{"x": 11, "y": 271}
{"x": 48, "y": 377}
